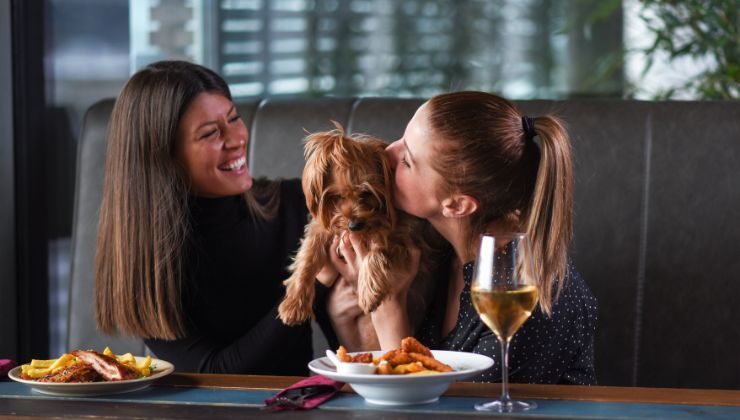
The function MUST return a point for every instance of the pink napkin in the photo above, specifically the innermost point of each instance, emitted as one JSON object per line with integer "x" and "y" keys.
{"x": 305, "y": 394}
{"x": 5, "y": 366}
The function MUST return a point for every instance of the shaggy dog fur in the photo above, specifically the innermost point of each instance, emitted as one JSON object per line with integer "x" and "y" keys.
{"x": 348, "y": 184}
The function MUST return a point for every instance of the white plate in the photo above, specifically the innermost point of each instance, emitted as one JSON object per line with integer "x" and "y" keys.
{"x": 89, "y": 389}
{"x": 407, "y": 389}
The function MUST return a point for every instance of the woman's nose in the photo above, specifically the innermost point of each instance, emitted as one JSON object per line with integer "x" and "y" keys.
{"x": 390, "y": 150}
{"x": 234, "y": 140}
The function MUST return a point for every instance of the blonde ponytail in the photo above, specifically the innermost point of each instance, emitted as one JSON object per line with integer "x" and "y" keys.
{"x": 549, "y": 221}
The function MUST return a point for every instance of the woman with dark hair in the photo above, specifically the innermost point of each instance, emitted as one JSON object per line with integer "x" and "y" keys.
{"x": 191, "y": 252}
{"x": 469, "y": 164}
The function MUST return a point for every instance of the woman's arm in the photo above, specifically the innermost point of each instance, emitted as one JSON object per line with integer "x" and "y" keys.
{"x": 256, "y": 351}
{"x": 353, "y": 328}
{"x": 391, "y": 321}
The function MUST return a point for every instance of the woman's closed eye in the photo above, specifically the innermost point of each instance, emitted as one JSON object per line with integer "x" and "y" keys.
{"x": 215, "y": 130}
{"x": 209, "y": 133}
{"x": 404, "y": 162}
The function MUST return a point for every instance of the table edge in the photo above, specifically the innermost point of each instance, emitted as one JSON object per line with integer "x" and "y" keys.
{"x": 718, "y": 397}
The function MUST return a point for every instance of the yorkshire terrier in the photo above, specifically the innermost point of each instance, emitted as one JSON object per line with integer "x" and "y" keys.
{"x": 347, "y": 182}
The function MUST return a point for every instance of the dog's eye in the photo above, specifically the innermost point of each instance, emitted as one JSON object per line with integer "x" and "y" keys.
{"x": 366, "y": 195}
{"x": 368, "y": 198}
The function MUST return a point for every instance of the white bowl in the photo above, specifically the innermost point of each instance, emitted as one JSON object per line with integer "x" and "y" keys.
{"x": 407, "y": 389}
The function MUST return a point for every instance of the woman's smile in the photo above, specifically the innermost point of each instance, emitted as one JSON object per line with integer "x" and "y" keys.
{"x": 237, "y": 165}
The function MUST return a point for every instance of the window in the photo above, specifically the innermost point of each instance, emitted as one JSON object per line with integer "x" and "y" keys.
{"x": 375, "y": 47}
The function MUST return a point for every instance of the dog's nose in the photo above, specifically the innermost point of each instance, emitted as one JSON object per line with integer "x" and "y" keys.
{"x": 356, "y": 224}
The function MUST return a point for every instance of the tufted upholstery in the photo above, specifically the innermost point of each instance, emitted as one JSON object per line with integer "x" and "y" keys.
{"x": 656, "y": 222}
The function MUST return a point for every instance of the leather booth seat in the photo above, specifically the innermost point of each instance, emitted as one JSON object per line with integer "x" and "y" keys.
{"x": 657, "y": 222}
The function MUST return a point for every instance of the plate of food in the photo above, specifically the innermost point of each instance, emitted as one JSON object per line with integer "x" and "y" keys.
{"x": 412, "y": 374}
{"x": 89, "y": 373}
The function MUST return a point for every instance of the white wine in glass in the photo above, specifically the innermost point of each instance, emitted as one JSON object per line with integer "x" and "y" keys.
{"x": 504, "y": 293}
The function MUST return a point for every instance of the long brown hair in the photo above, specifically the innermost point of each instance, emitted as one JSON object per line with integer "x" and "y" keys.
{"x": 488, "y": 155}
{"x": 144, "y": 216}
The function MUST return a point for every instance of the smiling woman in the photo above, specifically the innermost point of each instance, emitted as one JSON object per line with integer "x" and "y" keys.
{"x": 190, "y": 254}
{"x": 213, "y": 147}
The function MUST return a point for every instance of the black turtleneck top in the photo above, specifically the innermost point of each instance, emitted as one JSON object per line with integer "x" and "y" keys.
{"x": 234, "y": 268}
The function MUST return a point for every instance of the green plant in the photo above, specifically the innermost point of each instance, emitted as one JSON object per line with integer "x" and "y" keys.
{"x": 702, "y": 30}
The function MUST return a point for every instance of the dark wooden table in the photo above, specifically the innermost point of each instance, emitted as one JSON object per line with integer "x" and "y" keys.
{"x": 169, "y": 398}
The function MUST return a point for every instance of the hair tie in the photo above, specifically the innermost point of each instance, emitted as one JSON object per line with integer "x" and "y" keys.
{"x": 528, "y": 126}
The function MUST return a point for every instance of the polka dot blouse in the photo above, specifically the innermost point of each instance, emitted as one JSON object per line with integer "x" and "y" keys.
{"x": 547, "y": 350}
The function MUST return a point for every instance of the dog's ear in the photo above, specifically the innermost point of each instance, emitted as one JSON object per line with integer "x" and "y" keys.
{"x": 384, "y": 168}
{"x": 315, "y": 170}
{"x": 318, "y": 150}
{"x": 326, "y": 208}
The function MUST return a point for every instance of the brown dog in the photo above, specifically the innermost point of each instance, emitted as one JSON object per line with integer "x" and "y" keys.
{"x": 347, "y": 181}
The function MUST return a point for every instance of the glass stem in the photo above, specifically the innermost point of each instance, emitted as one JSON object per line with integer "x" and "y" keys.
{"x": 505, "y": 399}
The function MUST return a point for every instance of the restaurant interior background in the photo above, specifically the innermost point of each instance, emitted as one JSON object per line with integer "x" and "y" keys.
{"x": 60, "y": 56}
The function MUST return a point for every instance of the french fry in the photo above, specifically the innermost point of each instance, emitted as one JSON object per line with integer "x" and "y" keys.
{"x": 40, "y": 368}
{"x": 40, "y": 364}
{"x": 384, "y": 368}
{"x": 145, "y": 367}
{"x": 36, "y": 373}
{"x": 126, "y": 359}
{"x": 62, "y": 362}
{"x": 108, "y": 352}
{"x": 413, "y": 367}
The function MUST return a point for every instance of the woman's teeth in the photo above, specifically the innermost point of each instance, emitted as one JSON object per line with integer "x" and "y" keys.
{"x": 236, "y": 164}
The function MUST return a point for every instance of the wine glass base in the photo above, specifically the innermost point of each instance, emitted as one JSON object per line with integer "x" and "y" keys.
{"x": 506, "y": 406}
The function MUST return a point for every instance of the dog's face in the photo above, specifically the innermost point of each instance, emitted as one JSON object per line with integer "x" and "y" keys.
{"x": 347, "y": 182}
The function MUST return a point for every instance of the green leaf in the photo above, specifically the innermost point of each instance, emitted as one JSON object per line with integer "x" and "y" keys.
{"x": 605, "y": 9}
{"x": 696, "y": 29}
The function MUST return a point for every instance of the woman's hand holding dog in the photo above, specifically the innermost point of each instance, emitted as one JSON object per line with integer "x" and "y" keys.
{"x": 329, "y": 274}
{"x": 390, "y": 319}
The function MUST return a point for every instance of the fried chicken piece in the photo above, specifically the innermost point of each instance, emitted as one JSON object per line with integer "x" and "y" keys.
{"x": 412, "y": 357}
{"x": 431, "y": 363}
{"x": 357, "y": 358}
{"x": 387, "y": 355}
{"x": 412, "y": 345}
{"x": 397, "y": 357}
{"x": 342, "y": 354}
{"x": 362, "y": 358}
{"x": 79, "y": 372}
{"x": 108, "y": 367}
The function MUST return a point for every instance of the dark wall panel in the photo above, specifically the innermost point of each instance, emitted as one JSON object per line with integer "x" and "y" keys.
{"x": 608, "y": 146}
{"x": 691, "y": 324}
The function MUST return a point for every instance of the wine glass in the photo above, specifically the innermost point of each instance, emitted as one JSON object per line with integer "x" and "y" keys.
{"x": 504, "y": 293}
